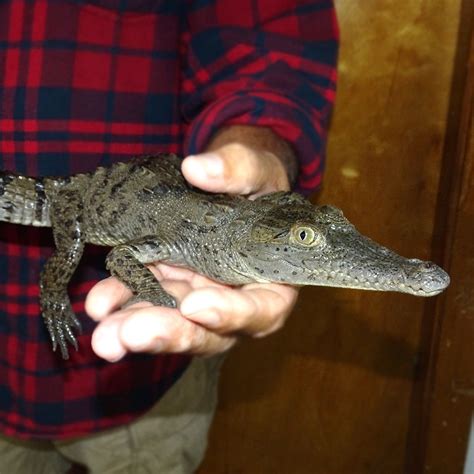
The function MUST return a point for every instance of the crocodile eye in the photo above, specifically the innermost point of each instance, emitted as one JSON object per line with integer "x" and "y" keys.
{"x": 306, "y": 236}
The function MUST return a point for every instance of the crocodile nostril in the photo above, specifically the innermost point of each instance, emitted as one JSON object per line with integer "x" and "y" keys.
{"x": 427, "y": 266}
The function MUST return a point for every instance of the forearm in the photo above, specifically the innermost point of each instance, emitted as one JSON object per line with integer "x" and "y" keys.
{"x": 262, "y": 141}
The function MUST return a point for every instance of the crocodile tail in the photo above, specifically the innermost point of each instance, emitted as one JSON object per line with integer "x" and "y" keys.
{"x": 24, "y": 200}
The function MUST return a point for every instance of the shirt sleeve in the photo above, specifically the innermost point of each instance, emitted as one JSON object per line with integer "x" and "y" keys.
{"x": 267, "y": 63}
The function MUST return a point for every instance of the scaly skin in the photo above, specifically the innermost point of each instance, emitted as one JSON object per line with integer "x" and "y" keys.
{"x": 145, "y": 210}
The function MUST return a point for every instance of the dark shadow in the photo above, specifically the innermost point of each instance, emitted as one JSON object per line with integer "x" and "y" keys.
{"x": 333, "y": 334}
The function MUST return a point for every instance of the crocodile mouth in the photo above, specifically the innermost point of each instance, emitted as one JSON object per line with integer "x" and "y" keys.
{"x": 430, "y": 285}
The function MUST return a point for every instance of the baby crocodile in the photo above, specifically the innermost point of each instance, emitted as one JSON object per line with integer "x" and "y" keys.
{"x": 147, "y": 212}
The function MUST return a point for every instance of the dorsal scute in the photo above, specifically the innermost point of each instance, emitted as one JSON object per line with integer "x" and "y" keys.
{"x": 283, "y": 198}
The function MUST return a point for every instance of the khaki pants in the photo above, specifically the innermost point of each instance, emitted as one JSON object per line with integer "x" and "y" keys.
{"x": 169, "y": 439}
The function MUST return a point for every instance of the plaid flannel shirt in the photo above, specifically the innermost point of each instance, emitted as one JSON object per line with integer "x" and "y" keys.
{"x": 84, "y": 84}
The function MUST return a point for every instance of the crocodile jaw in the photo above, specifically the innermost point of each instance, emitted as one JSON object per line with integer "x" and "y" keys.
{"x": 426, "y": 280}
{"x": 359, "y": 262}
{"x": 415, "y": 277}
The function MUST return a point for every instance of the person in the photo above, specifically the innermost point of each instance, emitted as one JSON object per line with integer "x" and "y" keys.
{"x": 244, "y": 91}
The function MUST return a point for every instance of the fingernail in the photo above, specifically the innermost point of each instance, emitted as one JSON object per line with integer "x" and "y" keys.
{"x": 107, "y": 343}
{"x": 137, "y": 339}
{"x": 209, "y": 318}
{"x": 210, "y": 163}
{"x": 196, "y": 308}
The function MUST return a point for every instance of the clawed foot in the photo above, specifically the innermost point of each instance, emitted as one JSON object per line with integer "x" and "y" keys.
{"x": 156, "y": 299}
{"x": 61, "y": 321}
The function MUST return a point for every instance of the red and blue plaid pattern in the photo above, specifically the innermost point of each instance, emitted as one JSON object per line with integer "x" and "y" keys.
{"x": 84, "y": 84}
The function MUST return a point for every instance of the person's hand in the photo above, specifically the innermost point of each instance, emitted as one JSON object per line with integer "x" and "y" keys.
{"x": 210, "y": 316}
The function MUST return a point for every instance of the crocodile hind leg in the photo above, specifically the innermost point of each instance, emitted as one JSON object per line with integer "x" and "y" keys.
{"x": 126, "y": 262}
{"x": 56, "y": 307}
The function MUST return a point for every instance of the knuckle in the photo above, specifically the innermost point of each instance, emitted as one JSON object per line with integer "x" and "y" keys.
{"x": 241, "y": 162}
{"x": 228, "y": 343}
{"x": 235, "y": 149}
{"x": 207, "y": 344}
{"x": 188, "y": 339}
{"x": 196, "y": 340}
{"x": 274, "y": 323}
{"x": 218, "y": 345}
{"x": 201, "y": 342}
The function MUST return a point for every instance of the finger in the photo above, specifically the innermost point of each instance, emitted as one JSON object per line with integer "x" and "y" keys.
{"x": 196, "y": 280}
{"x": 165, "y": 271}
{"x": 235, "y": 169}
{"x": 256, "y": 310}
{"x": 143, "y": 328}
{"x": 106, "y": 342}
{"x": 106, "y": 296}
{"x": 152, "y": 331}
{"x": 110, "y": 294}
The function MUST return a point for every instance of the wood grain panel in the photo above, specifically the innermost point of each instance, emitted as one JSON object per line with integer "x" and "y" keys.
{"x": 448, "y": 402}
{"x": 331, "y": 392}
{"x": 452, "y": 396}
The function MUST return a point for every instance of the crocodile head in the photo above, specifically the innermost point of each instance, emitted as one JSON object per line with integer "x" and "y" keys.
{"x": 296, "y": 242}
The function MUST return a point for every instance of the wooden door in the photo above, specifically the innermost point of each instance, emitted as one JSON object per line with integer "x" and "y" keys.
{"x": 361, "y": 382}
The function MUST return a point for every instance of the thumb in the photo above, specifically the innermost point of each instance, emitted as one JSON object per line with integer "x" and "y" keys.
{"x": 235, "y": 170}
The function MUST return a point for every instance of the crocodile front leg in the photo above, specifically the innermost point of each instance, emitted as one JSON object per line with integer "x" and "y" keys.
{"x": 126, "y": 262}
{"x": 56, "y": 307}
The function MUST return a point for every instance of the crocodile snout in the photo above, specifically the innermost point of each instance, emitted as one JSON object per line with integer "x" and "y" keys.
{"x": 426, "y": 278}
